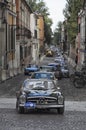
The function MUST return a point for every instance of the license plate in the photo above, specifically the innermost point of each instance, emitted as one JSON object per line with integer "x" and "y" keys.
{"x": 30, "y": 105}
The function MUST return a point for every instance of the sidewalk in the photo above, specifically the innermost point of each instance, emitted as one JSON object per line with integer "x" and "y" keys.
{"x": 6, "y": 77}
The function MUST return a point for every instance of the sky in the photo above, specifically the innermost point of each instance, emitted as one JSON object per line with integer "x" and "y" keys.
{"x": 56, "y": 10}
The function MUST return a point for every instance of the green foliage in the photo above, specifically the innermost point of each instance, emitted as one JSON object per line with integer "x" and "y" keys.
{"x": 71, "y": 14}
{"x": 57, "y": 33}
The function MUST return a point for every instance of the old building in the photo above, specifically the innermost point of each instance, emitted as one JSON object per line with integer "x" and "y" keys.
{"x": 40, "y": 26}
{"x": 82, "y": 35}
{"x": 23, "y": 33}
{"x": 15, "y": 41}
{"x": 34, "y": 39}
{"x": 8, "y": 39}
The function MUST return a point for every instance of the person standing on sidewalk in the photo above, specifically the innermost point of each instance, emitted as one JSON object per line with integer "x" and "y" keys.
{"x": 23, "y": 64}
{"x": 76, "y": 62}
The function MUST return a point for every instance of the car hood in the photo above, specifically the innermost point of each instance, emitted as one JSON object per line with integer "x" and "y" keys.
{"x": 33, "y": 93}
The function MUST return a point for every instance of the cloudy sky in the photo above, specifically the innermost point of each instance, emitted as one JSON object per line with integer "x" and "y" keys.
{"x": 56, "y": 10}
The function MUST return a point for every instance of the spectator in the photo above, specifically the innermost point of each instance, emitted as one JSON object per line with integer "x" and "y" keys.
{"x": 23, "y": 63}
{"x": 76, "y": 59}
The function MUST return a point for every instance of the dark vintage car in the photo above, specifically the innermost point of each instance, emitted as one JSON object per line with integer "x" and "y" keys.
{"x": 58, "y": 73}
{"x": 49, "y": 53}
{"x": 36, "y": 94}
{"x": 47, "y": 68}
{"x": 30, "y": 68}
{"x": 43, "y": 75}
{"x": 65, "y": 71}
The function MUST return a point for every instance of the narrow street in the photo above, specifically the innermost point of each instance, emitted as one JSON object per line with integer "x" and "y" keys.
{"x": 73, "y": 119}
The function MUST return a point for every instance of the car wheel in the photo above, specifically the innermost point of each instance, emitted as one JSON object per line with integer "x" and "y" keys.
{"x": 19, "y": 109}
{"x": 61, "y": 110}
{"x": 25, "y": 73}
{"x": 79, "y": 83}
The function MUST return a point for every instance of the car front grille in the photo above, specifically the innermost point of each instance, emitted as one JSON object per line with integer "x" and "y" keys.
{"x": 42, "y": 100}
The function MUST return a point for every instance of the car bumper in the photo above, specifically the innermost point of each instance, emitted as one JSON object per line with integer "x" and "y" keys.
{"x": 41, "y": 106}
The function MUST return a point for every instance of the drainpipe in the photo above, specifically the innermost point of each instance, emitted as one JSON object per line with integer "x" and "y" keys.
{"x": 85, "y": 38}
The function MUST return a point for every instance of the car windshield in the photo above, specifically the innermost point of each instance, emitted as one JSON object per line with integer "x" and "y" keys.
{"x": 43, "y": 75}
{"x": 38, "y": 85}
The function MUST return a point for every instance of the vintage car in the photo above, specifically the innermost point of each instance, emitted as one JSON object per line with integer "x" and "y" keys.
{"x": 30, "y": 68}
{"x": 49, "y": 53}
{"x": 58, "y": 73}
{"x": 65, "y": 71}
{"x": 36, "y": 94}
{"x": 47, "y": 68}
{"x": 43, "y": 75}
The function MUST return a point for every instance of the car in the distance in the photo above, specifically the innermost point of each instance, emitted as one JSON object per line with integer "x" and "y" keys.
{"x": 36, "y": 94}
{"x": 65, "y": 71}
{"x": 30, "y": 69}
{"x": 49, "y": 53}
{"x": 57, "y": 73}
{"x": 47, "y": 68}
{"x": 43, "y": 75}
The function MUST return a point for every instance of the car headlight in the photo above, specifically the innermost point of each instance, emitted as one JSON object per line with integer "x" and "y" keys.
{"x": 22, "y": 99}
{"x": 60, "y": 99}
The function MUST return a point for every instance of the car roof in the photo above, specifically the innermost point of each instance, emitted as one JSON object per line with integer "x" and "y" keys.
{"x": 54, "y": 63}
{"x": 44, "y": 72}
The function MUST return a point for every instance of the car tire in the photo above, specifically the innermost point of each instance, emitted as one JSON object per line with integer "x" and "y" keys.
{"x": 25, "y": 73}
{"x": 19, "y": 109}
{"x": 79, "y": 83}
{"x": 61, "y": 110}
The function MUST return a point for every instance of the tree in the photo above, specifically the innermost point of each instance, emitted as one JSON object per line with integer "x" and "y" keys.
{"x": 71, "y": 14}
{"x": 57, "y": 33}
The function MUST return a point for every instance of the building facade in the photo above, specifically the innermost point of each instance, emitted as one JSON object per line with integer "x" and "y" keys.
{"x": 34, "y": 39}
{"x": 23, "y": 33}
{"x": 8, "y": 38}
{"x": 40, "y": 26}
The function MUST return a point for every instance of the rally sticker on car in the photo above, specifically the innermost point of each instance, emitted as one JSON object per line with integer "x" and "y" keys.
{"x": 30, "y": 105}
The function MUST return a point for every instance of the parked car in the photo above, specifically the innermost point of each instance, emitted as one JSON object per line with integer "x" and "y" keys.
{"x": 43, "y": 75}
{"x": 58, "y": 73}
{"x": 49, "y": 53}
{"x": 47, "y": 68}
{"x": 39, "y": 94}
{"x": 65, "y": 71}
{"x": 60, "y": 61}
{"x": 30, "y": 69}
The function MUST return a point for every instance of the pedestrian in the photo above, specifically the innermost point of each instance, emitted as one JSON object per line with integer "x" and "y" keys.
{"x": 39, "y": 55}
{"x": 76, "y": 61}
{"x": 23, "y": 64}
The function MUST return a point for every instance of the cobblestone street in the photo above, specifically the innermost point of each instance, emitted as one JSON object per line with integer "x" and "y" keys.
{"x": 73, "y": 119}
